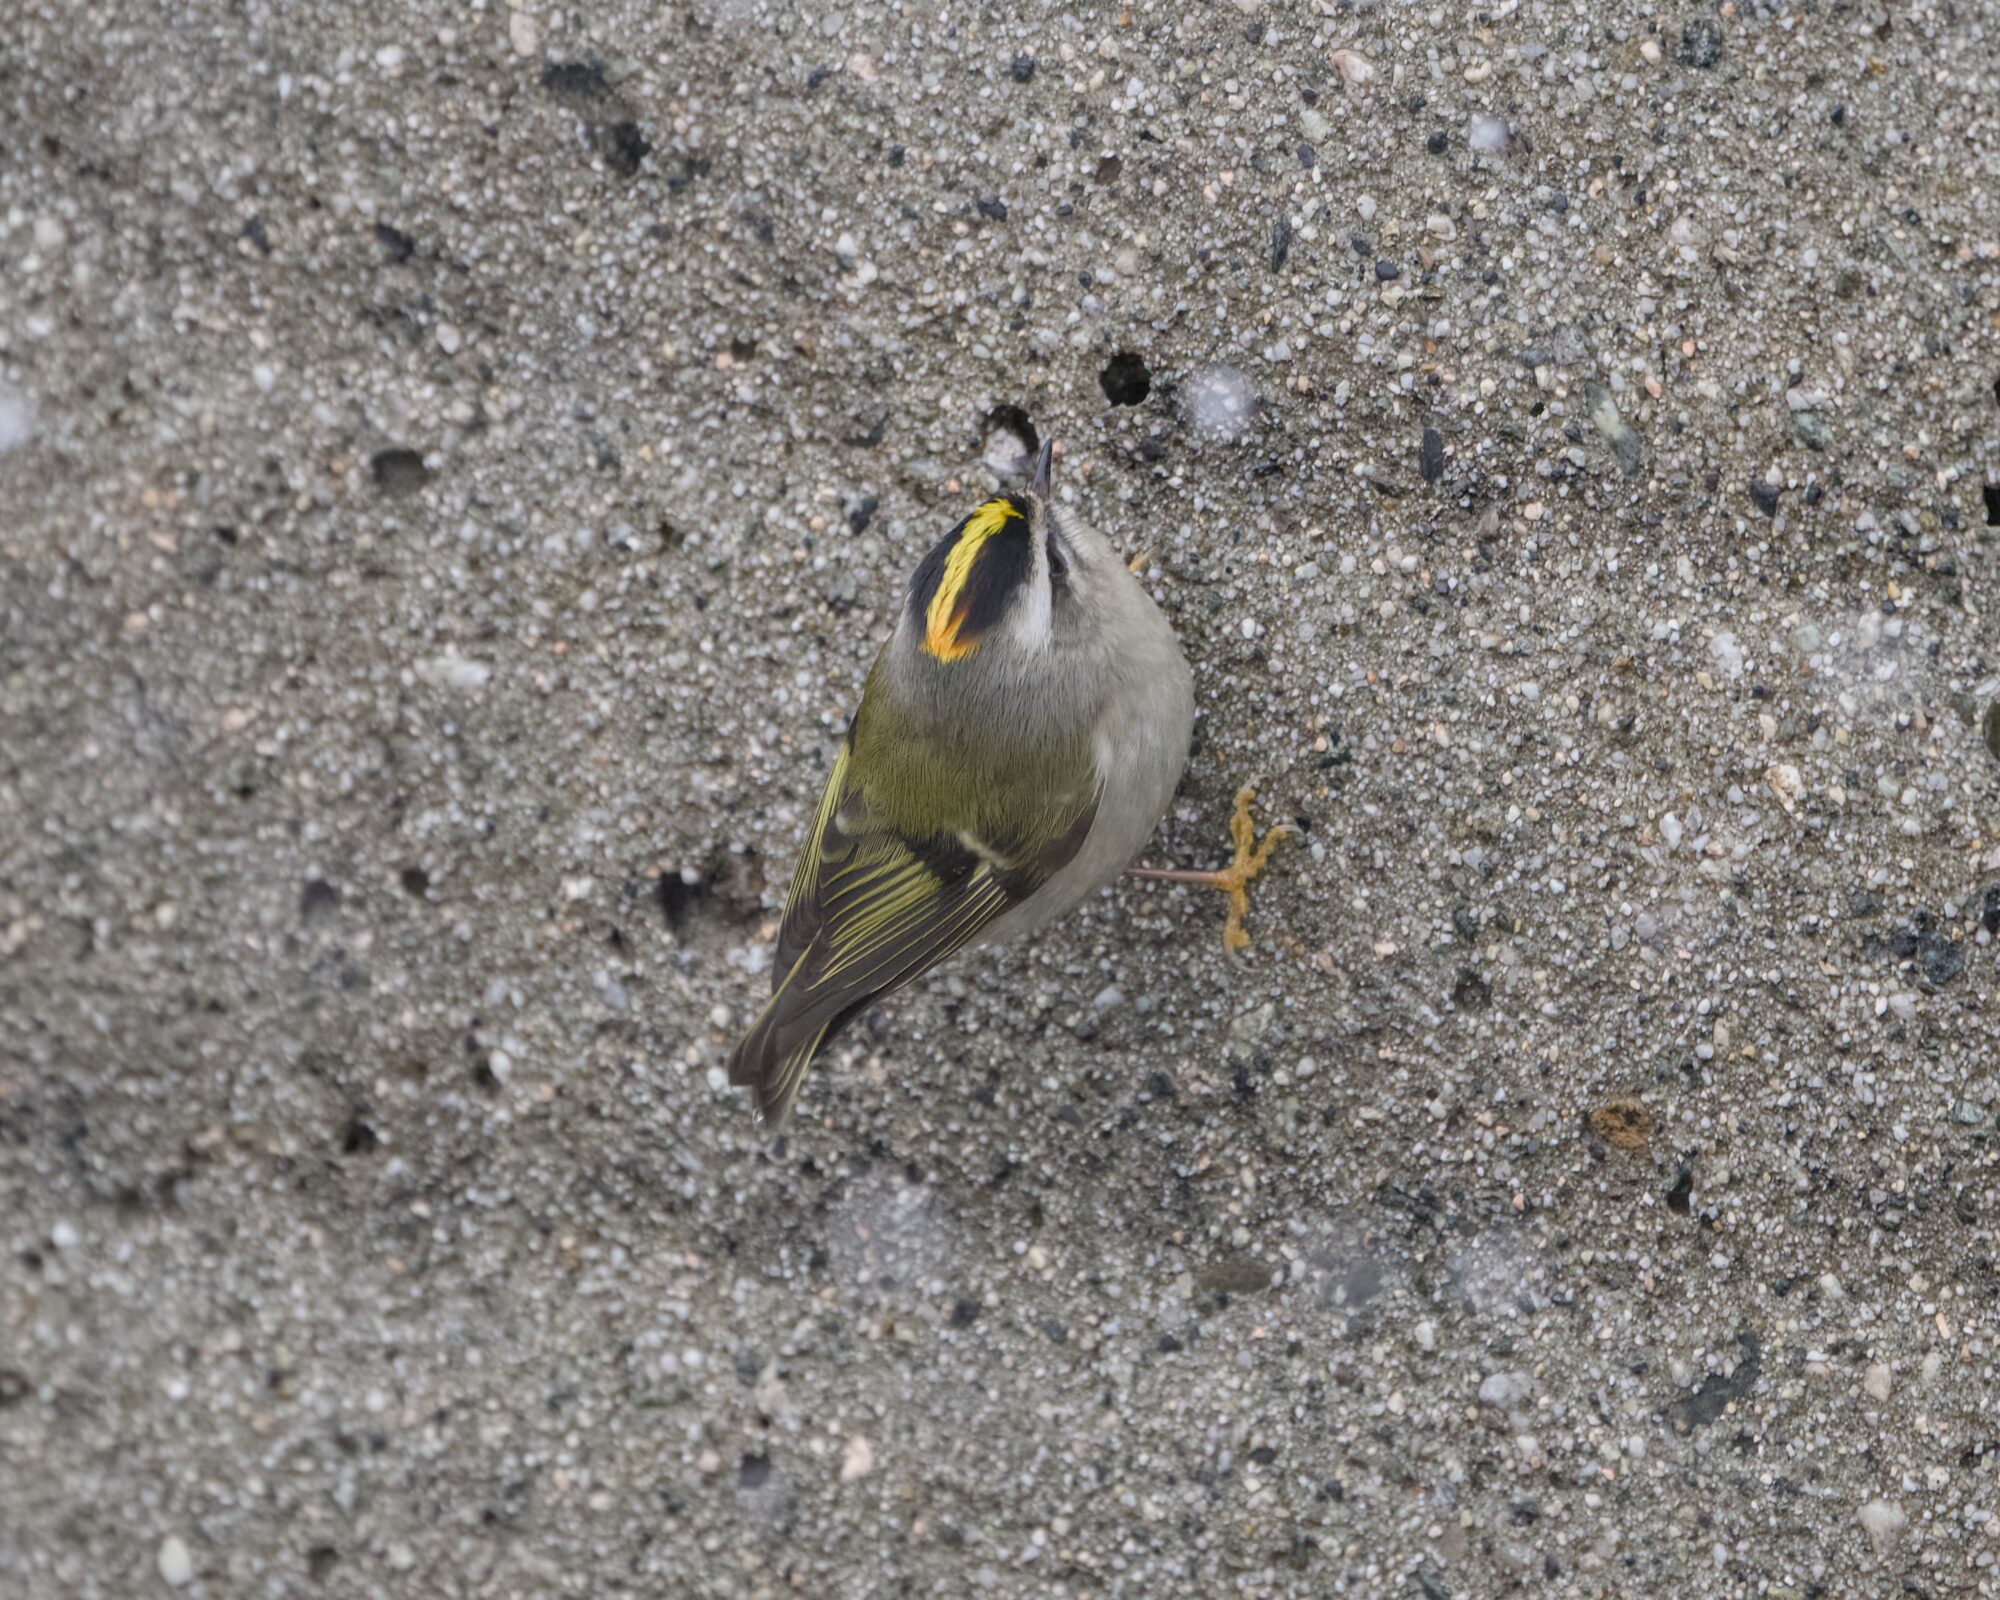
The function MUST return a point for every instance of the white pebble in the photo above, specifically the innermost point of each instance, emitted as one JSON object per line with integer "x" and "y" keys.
{"x": 176, "y": 1565}
{"x": 1506, "y": 1389}
{"x": 858, "y": 1460}
{"x": 453, "y": 671}
{"x": 17, "y": 419}
{"x": 1877, "y": 1380}
{"x": 1221, "y": 402}
{"x": 1882, "y": 1521}
{"x": 1353, "y": 66}
{"x": 523, "y": 34}
{"x": 449, "y": 338}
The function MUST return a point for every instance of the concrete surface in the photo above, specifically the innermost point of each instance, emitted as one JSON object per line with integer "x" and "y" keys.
{"x": 458, "y": 462}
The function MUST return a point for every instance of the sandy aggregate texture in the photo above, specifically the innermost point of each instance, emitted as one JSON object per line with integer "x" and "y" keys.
{"x": 457, "y": 462}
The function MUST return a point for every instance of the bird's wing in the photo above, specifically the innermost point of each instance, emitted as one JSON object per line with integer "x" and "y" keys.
{"x": 870, "y": 908}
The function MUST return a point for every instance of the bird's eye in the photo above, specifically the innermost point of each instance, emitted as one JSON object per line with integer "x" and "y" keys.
{"x": 1058, "y": 568}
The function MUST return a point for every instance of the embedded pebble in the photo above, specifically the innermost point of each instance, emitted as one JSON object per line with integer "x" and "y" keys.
{"x": 175, "y": 1564}
{"x": 1883, "y": 1521}
{"x": 1506, "y": 1389}
{"x": 1353, "y": 67}
{"x": 17, "y": 419}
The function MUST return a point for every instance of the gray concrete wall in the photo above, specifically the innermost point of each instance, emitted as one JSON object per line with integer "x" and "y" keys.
{"x": 456, "y": 464}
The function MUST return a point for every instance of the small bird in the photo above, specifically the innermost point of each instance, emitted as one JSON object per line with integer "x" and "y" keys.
{"x": 1019, "y": 738}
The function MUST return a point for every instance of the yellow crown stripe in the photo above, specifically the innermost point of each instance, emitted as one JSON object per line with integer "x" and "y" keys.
{"x": 945, "y": 615}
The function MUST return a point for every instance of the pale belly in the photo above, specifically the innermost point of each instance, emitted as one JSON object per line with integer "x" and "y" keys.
{"x": 1142, "y": 747}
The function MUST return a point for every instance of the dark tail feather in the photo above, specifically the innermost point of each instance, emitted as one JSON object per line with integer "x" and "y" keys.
{"x": 773, "y": 1056}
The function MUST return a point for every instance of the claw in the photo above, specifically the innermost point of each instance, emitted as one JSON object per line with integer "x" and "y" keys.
{"x": 1234, "y": 879}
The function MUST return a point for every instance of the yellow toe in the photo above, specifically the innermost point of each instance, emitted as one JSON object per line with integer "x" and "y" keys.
{"x": 1250, "y": 857}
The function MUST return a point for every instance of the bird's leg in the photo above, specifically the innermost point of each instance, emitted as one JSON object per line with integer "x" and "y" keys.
{"x": 1137, "y": 564}
{"x": 1234, "y": 879}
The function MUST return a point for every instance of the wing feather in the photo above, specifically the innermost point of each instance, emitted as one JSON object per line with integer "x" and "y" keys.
{"x": 872, "y": 907}
{"x": 801, "y": 920}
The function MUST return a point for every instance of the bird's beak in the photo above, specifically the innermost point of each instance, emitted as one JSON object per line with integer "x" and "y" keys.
{"x": 1043, "y": 462}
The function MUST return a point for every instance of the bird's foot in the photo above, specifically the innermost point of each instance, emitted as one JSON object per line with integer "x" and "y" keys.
{"x": 1137, "y": 564}
{"x": 1234, "y": 879}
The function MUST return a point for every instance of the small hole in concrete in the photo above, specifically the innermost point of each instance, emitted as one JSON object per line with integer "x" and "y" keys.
{"x": 678, "y": 899}
{"x": 1126, "y": 380}
{"x": 318, "y": 900}
{"x": 1679, "y": 1195}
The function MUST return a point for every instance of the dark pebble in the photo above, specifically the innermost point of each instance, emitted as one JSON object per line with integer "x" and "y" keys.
{"x": 1386, "y": 270}
{"x": 1023, "y": 68}
{"x": 1764, "y": 497}
{"x": 1281, "y": 241}
{"x": 1944, "y": 959}
{"x": 1430, "y": 456}
{"x": 575, "y": 80}
{"x": 994, "y": 208}
{"x": 1701, "y": 43}
{"x": 395, "y": 243}
{"x": 1438, "y": 143}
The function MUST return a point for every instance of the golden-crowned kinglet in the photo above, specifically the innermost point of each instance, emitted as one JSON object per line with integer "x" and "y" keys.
{"x": 1019, "y": 738}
